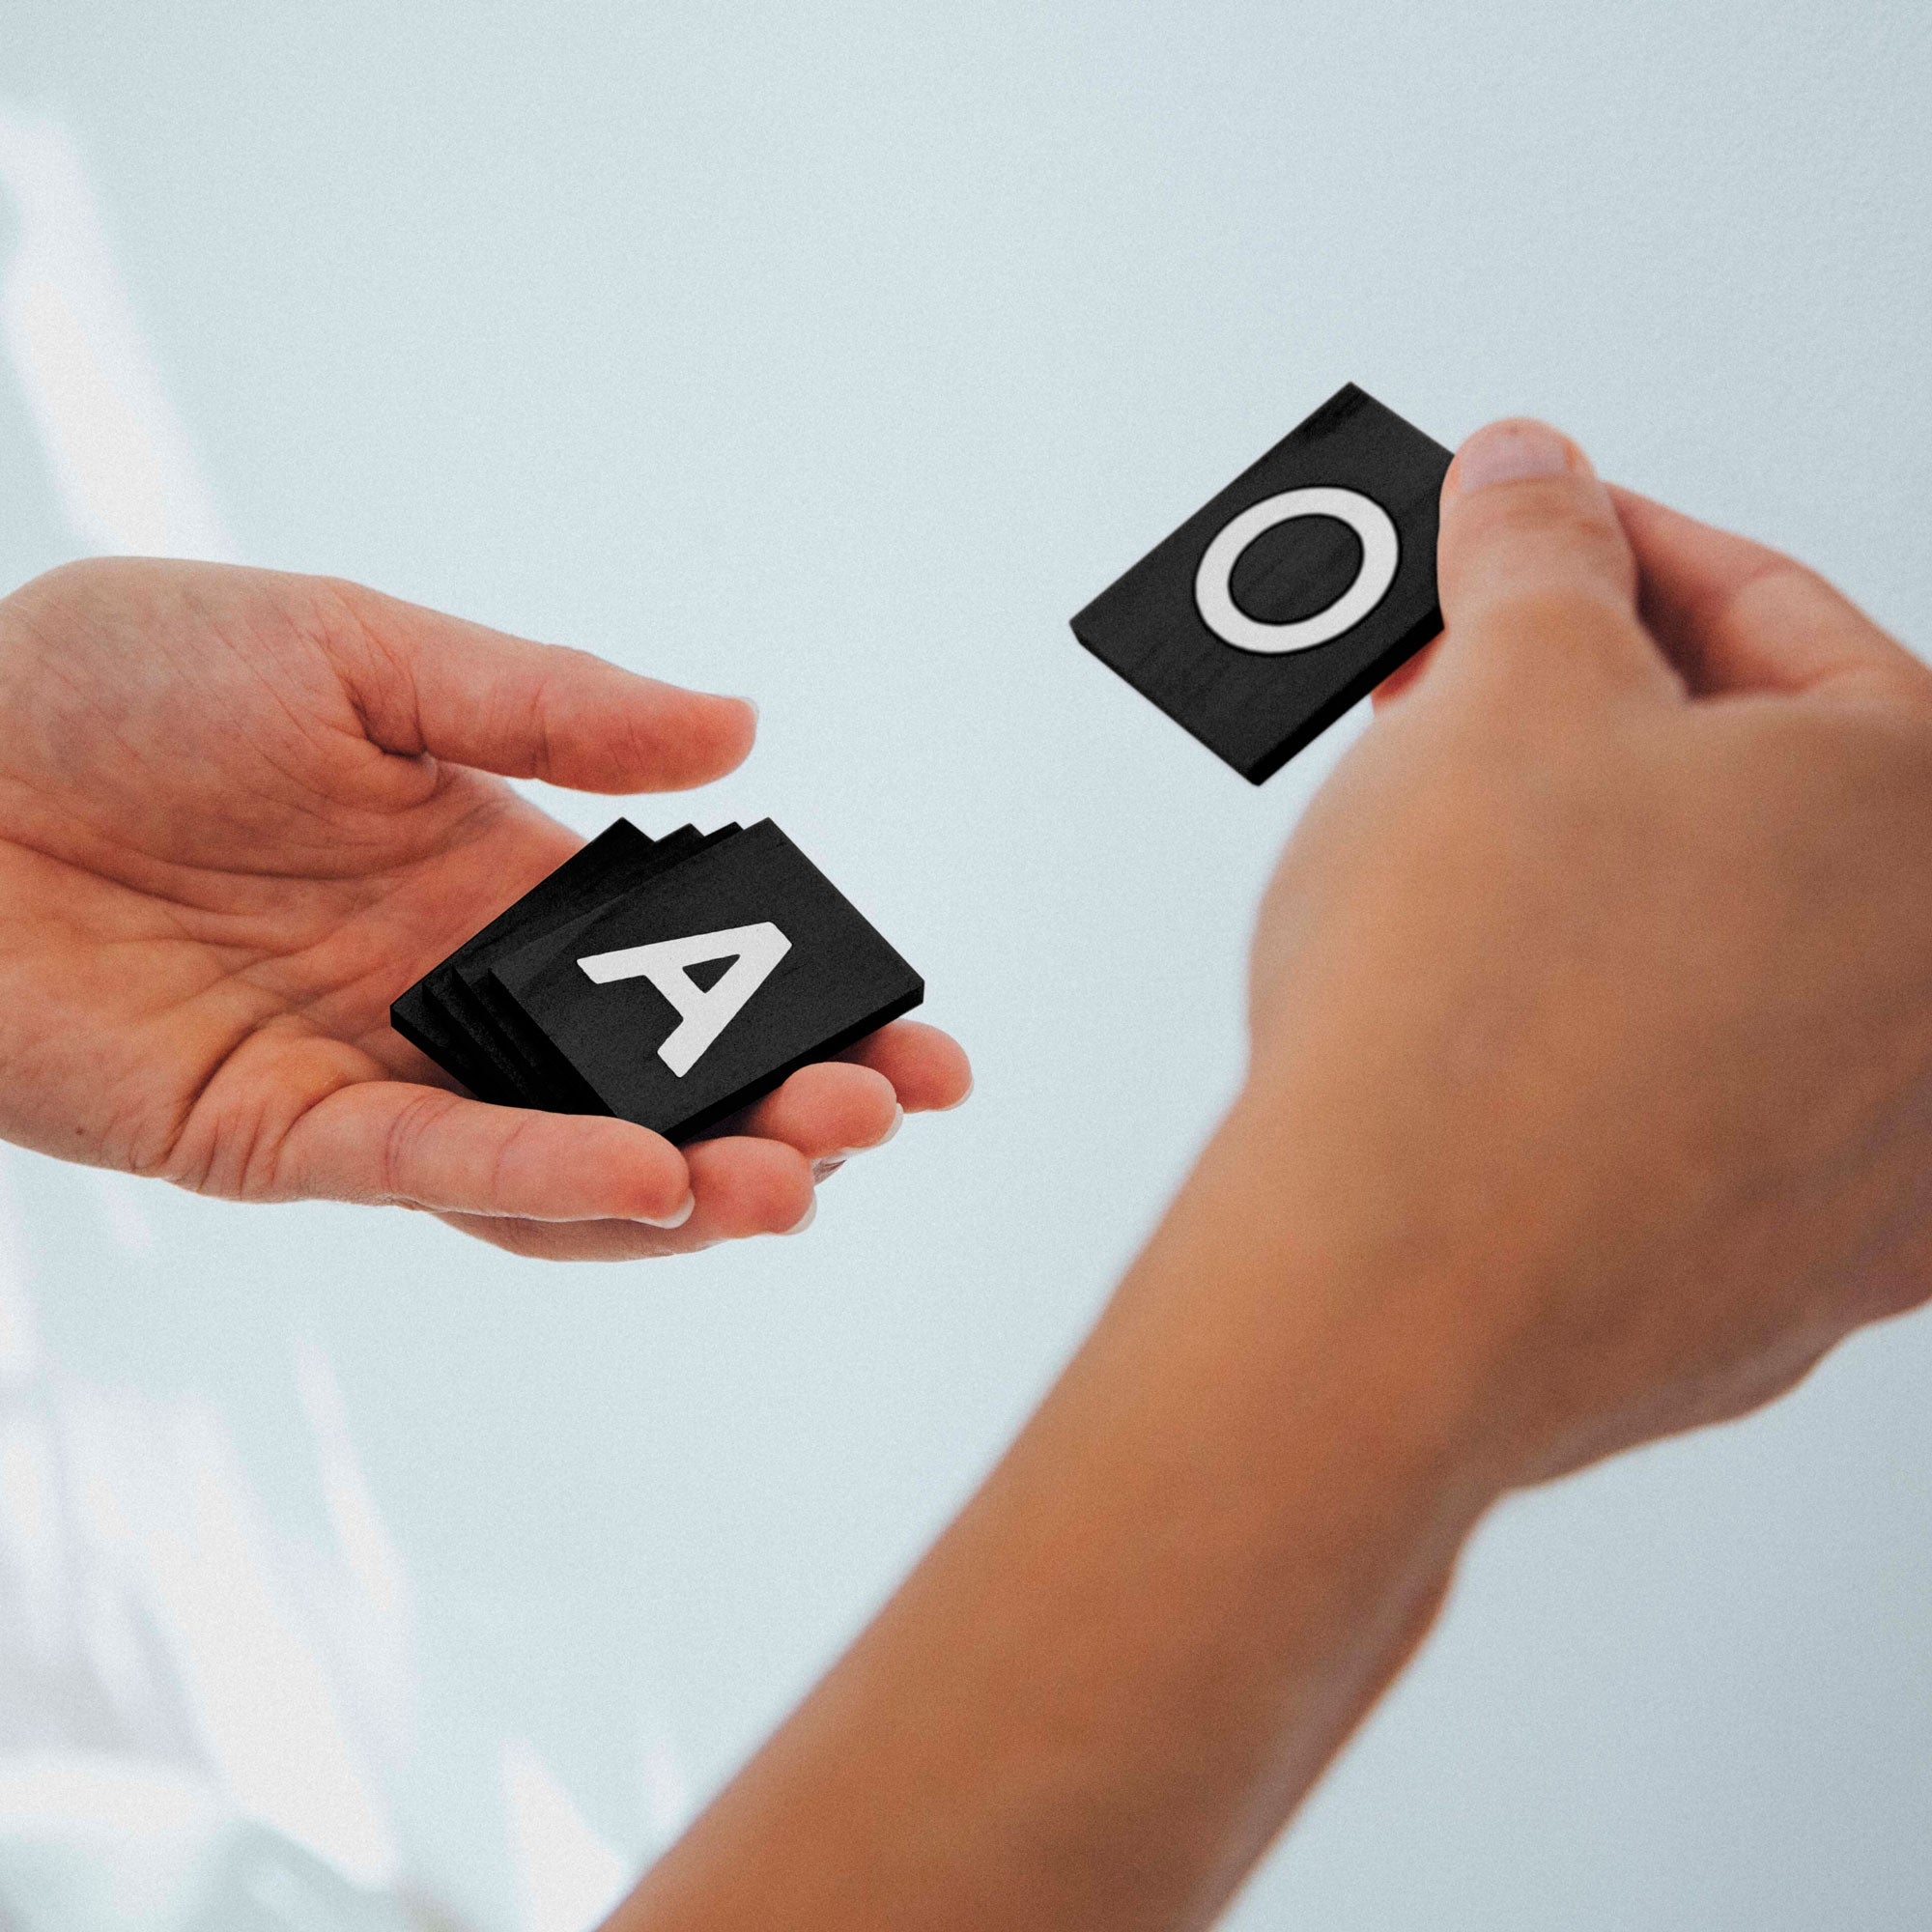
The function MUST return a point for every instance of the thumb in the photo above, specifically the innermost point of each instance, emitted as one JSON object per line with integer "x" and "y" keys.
{"x": 1537, "y": 580}
{"x": 427, "y": 683}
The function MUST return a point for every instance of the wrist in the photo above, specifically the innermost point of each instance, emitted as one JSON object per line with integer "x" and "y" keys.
{"x": 1214, "y": 1543}
{"x": 1335, "y": 1299}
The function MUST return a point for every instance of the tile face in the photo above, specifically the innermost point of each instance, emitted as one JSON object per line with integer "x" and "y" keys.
{"x": 687, "y": 1000}
{"x": 469, "y": 986}
{"x": 1289, "y": 597}
{"x": 425, "y": 1015}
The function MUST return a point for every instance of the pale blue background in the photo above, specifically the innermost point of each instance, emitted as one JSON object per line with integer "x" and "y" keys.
{"x": 836, "y": 354}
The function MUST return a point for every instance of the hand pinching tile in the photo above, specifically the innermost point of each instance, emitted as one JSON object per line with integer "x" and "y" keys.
{"x": 1287, "y": 599}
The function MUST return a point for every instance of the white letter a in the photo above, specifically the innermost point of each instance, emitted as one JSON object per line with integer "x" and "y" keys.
{"x": 703, "y": 1014}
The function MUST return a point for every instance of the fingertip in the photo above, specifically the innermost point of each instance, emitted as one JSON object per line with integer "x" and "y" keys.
{"x": 738, "y": 730}
{"x": 1516, "y": 450}
{"x": 928, "y": 1068}
{"x": 678, "y": 738}
{"x": 956, "y": 1086}
{"x": 864, "y": 1110}
{"x": 940, "y": 1081}
{"x": 678, "y": 1215}
{"x": 621, "y": 1170}
{"x": 1404, "y": 676}
{"x": 747, "y": 1186}
{"x": 829, "y": 1107}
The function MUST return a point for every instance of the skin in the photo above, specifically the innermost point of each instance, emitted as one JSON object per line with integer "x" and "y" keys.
{"x": 1590, "y": 1100}
{"x": 241, "y": 810}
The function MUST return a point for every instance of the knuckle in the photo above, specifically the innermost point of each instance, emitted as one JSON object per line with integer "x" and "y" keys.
{"x": 1555, "y": 506}
{"x": 501, "y": 1182}
{"x": 1538, "y": 619}
{"x": 1550, "y": 505}
{"x": 400, "y": 1164}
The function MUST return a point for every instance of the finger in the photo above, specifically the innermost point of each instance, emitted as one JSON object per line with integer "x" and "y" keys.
{"x": 567, "y": 1240}
{"x": 1404, "y": 676}
{"x": 1736, "y": 616}
{"x": 424, "y": 682}
{"x": 928, "y": 1068}
{"x": 826, "y": 1110}
{"x": 1536, "y": 577}
{"x": 741, "y": 1188}
{"x": 745, "y": 1186}
{"x": 386, "y": 1140}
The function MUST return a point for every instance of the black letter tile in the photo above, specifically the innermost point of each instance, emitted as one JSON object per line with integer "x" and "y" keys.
{"x": 1260, "y": 621}
{"x": 807, "y": 977}
{"x": 432, "y": 1022}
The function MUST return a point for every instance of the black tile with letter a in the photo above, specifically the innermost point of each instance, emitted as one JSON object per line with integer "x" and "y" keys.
{"x": 680, "y": 1004}
{"x": 669, "y": 981}
{"x": 1289, "y": 598}
{"x": 454, "y": 1036}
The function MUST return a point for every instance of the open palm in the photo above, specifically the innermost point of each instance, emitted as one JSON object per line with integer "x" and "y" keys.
{"x": 241, "y": 810}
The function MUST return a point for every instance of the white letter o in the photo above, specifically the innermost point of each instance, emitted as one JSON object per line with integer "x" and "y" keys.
{"x": 1381, "y": 551}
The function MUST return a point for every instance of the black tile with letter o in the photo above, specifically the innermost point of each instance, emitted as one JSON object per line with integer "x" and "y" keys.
{"x": 1286, "y": 600}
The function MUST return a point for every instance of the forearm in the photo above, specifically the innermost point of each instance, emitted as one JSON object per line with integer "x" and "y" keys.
{"x": 1109, "y": 1684}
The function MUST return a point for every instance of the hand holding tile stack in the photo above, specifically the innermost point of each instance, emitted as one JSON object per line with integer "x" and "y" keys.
{"x": 671, "y": 982}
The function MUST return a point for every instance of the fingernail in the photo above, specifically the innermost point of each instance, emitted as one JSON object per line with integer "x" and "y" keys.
{"x": 676, "y": 1220}
{"x": 830, "y": 1162}
{"x": 810, "y": 1216}
{"x": 750, "y": 704}
{"x": 1510, "y": 452}
{"x": 824, "y": 1170}
{"x": 971, "y": 1083}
